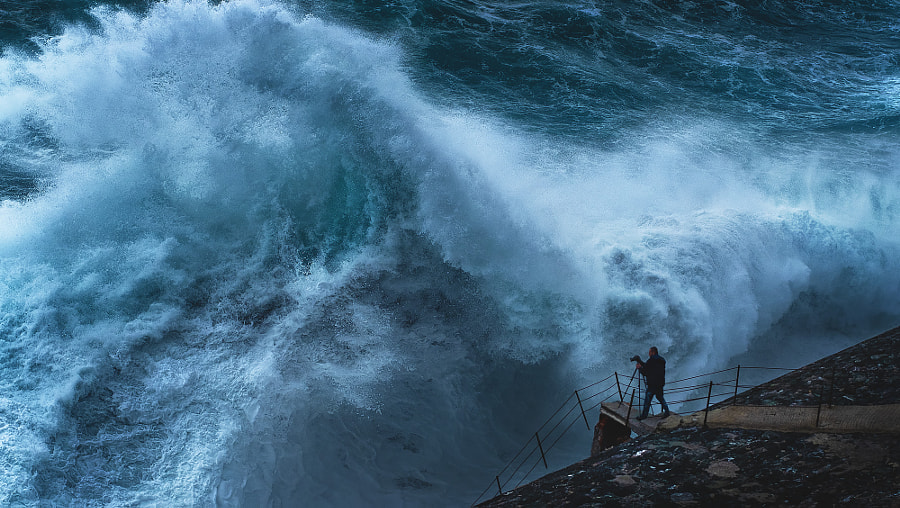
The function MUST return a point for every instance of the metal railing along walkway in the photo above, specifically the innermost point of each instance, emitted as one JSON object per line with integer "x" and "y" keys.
{"x": 690, "y": 394}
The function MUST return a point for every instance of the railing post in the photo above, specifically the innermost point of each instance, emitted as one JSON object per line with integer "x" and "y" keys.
{"x": 541, "y": 448}
{"x": 498, "y": 485}
{"x": 819, "y": 409}
{"x": 621, "y": 397}
{"x": 588, "y": 425}
{"x": 831, "y": 390}
{"x": 822, "y": 396}
{"x": 628, "y": 415}
{"x": 736, "y": 377}
{"x": 708, "y": 396}
{"x": 640, "y": 395}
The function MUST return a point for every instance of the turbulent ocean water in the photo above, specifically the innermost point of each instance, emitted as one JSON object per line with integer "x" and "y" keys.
{"x": 334, "y": 253}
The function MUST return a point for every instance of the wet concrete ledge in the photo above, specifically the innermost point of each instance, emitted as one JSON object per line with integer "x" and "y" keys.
{"x": 840, "y": 419}
{"x": 851, "y": 459}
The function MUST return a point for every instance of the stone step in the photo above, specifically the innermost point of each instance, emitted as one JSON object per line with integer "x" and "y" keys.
{"x": 619, "y": 412}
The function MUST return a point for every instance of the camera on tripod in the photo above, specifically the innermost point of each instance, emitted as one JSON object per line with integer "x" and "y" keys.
{"x": 635, "y": 358}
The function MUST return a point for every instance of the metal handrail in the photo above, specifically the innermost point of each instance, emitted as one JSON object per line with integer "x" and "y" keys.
{"x": 733, "y": 385}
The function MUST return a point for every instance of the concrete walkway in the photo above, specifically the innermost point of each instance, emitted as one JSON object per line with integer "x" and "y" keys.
{"x": 884, "y": 419}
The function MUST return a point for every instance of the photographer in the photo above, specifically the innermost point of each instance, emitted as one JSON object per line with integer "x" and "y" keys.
{"x": 654, "y": 371}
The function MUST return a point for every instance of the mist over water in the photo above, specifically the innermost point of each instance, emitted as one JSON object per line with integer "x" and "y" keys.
{"x": 260, "y": 254}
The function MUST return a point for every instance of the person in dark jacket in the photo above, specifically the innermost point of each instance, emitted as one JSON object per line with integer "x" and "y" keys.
{"x": 654, "y": 371}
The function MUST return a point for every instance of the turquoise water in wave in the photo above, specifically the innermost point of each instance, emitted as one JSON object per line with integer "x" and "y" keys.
{"x": 261, "y": 253}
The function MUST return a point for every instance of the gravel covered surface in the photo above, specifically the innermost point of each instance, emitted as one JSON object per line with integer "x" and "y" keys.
{"x": 697, "y": 467}
{"x": 732, "y": 467}
{"x": 865, "y": 374}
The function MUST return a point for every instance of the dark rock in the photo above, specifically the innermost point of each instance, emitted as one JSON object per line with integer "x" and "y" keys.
{"x": 693, "y": 466}
{"x": 607, "y": 433}
{"x": 864, "y": 374}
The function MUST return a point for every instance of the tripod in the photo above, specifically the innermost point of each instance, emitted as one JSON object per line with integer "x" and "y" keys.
{"x": 640, "y": 400}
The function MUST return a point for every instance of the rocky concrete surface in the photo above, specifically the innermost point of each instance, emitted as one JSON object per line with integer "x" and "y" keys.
{"x": 865, "y": 374}
{"x": 712, "y": 467}
{"x": 696, "y": 466}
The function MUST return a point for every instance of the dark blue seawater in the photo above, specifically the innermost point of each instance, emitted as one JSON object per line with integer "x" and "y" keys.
{"x": 258, "y": 253}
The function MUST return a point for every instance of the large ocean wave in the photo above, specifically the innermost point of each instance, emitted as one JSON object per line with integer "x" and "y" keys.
{"x": 253, "y": 263}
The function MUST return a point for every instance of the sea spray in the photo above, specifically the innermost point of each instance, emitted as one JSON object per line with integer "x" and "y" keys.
{"x": 259, "y": 265}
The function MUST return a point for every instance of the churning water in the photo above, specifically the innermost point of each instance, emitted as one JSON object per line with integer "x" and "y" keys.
{"x": 261, "y": 253}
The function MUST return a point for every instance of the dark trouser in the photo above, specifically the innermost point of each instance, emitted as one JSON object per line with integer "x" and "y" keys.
{"x": 651, "y": 391}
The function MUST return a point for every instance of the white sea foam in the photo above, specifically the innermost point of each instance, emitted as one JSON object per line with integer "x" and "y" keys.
{"x": 267, "y": 272}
